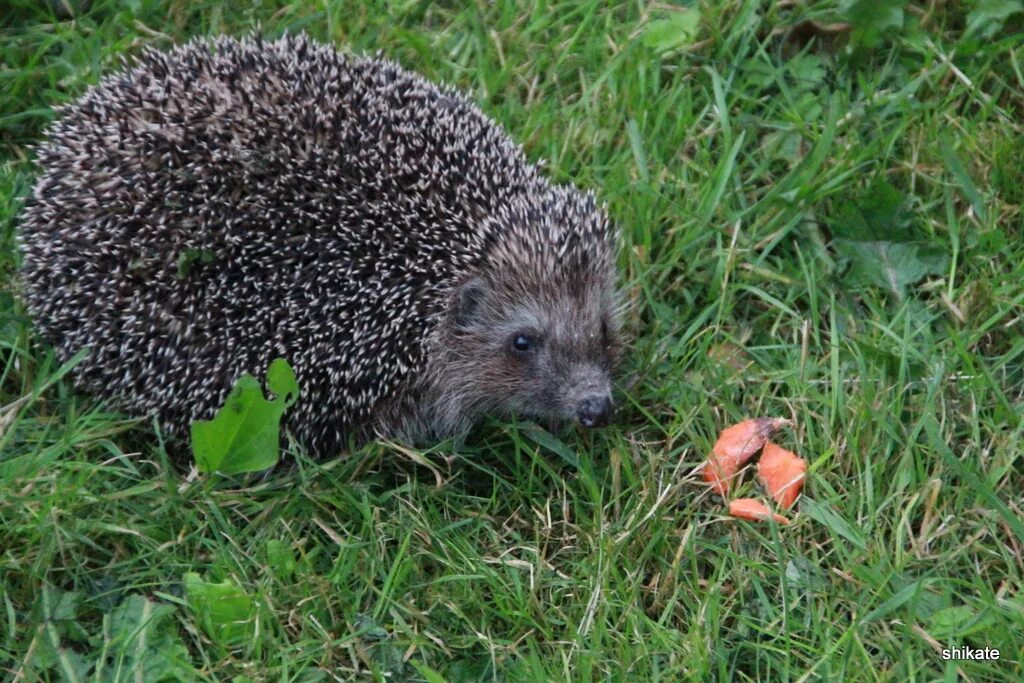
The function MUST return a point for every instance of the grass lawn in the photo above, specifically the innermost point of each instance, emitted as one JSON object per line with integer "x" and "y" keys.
{"x": 822, "y": 221}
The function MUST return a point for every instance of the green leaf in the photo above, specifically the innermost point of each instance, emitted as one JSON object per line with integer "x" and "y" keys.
{"x": 142, "y": 644}
{"x": 280, "y": 559}
{"x": 225, "y": 612}
{"x": 874, "y": 21}
{"x": 138, "y": 642}
{"x": 472, "y": 670}
{"x": 957, "y": 622}
{"x": 988, "y": 17}
{"x": 281, "y": 380}
{"x": 675, "y": 31}
{"x": 56, "y": 605}
{"x": 245, "y": 434}
{"x": 802, "y": 573}
{"x": 71, "y": 666}
{"x": 876, "y": 235}
{"x": 807, "y": 69}
{"x": 190, "y": 257}
{"x": 880, "y": 213}
{"x": 387, "y": 657}
{"x": 59, "y": 611}
{"x": 56, "y": 613}
{"x": 890, "y": 265}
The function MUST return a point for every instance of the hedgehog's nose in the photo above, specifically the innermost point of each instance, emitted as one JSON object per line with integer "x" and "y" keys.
{"x": 595, "y": 411}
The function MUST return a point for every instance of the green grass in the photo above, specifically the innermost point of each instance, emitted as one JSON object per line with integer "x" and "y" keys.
{"x": 768, "y": 275}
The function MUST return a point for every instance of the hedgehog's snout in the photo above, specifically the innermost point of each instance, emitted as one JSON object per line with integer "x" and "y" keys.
{"x": 590, "y": 396}
{"x": 595, "y": 411}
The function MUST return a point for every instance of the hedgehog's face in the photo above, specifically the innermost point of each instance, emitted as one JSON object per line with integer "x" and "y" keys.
{"x": 536, "y": 329}
{"x": 549, "y": 354}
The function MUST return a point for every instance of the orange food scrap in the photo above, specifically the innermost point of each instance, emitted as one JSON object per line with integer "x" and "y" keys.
{"x": 748, "y": 508}
{"x": 735, "y": 446}
{"x": 782, "y": 472}
{"x": 717, "y": 473}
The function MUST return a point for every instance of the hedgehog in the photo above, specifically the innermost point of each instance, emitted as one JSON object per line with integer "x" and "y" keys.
{"x": 208, "y": 209}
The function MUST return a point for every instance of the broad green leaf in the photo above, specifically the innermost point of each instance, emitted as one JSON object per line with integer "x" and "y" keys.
{"x": 188, "y": 258}
{"x": 280, "y": 559}
{"x": 225, "y": 612}
{"x": 55, "y": 605}
{"x": 874, "y": 20}
{"x": 472, "y": 670}
{"x": 890, "y": 265}
{"x": 142, "y": 644}
{"x": 244, "y": 435}
{"x": 386, "y": 655}
{"x": 802, "y": 573}
{"x": 56, "y": 614}
{"x": 807, "y": 69}
{"x": 957, "y": 622}
{"x": 876, "y": 235}
{"x": 70, "y": 665}
{"x": 675, "y": 31}
{"x": 281, "y": 380}
{"x": 58, "y": 609}
{"x": 988, "y": 17}
{"x": 880, "y": 213}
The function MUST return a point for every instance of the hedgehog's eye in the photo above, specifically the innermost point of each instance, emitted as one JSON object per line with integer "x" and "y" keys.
{"x": 604, "y": 329}
{"x": 522, "y": 343}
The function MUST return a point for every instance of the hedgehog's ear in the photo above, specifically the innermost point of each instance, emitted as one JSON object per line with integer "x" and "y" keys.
{"x": 469, "y": 300}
